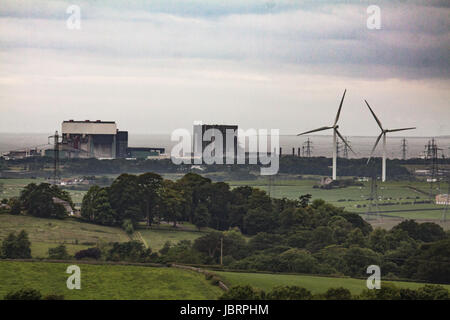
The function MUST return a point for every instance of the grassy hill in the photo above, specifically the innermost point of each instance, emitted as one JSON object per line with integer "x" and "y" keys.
{"x": 313, "y": 283}
{"x": 107, "y": 281}
{"x": 48, "y": 233}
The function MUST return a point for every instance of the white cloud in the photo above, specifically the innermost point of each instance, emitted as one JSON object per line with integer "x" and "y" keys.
{"x": 267, "y": 66}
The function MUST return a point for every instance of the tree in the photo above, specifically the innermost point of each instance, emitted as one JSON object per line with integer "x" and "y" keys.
{"x": 58, "y": 253}
{"x": 209, "y": 244}
{"x": 427, "y": 232}
{"x": 16, "y": 247}
{"x": 16, "y": 206}
{"x": 338, "y": 294}
{"x": 97, "y": 208}
{"x": 89, "y": 253}
{"x": 172, "y": 203}
{"x": 24, "y": 294}
{"x": 258, "y": 220}
{"x": 218, "y": 205}
{"x": 386, "y": 292}
{"x": 355, "y": 238}
{"x": 39, "y": 200}
{"x": 358, "y": 259}
{"x": 304, "y": 200}
{"x": 127, "y": 225}
{"x": 201, "y": 216}
{"x": 125, "y": 198}
{"x": 242, "y": 293}
{"x": 298, "y": 261}
{"x": 433, "y": 292}
{"x": 132, "y": 251}
{"x": 150, "y": 185}
{"x": 289, "y": 293}
{"x": 432, "y": 262}
{"x": 195, "y": 191}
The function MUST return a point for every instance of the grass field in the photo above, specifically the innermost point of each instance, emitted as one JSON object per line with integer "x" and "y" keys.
{"x": 48, "y": 233}
{"x": 12, "y": 187}
{"x": 313, "y": 283}
{"x": 156, "y": 239}
{"x": 107, "y": 281}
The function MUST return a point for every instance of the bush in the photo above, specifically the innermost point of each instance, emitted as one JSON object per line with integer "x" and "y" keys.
{"x": 54, "y": 297}
{"x": 127, "y": 225}
{"x": 24, "y": 294}
{"x": 58, "y": 253}
{"x": 289, "y": 293}
{"x": 132, "y": 251}
{"x": 338, "y": 294}
{"x": 90, "y": 253}
{"x": 16, "y": 247}
{"x": 242, "y": 293}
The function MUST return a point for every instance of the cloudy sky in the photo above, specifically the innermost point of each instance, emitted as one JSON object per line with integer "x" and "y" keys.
{"x": 154, "y": 66}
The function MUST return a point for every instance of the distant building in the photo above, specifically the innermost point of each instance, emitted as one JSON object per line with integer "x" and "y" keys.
{"x": 89, "y": 139}
{"x": 65, "y": 204}
{"x": 422, "y": 172}
{"x": 325, "y": 181}
{"x": 21, "y": 154}
{"x": 144, "y": 153}
{"x": 442, "y": 199}
{"x": 98, "y": 139}
{"x": 199, "y": 145}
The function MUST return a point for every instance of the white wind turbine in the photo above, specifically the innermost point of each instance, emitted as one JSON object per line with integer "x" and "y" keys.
{"x": 383, "y": 134}
{"x": 335, "y": 134}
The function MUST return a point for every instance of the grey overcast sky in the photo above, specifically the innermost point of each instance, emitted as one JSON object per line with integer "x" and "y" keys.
{"x": 154, "y": 66}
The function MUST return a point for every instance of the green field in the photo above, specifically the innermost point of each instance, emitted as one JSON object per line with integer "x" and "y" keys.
{"x": 156, "y": 239}
{"x": 107, "y": 281}
{"x": 313, "y": 283}
{"x": 12, "y": 187}
{"x": 48, "y": 233}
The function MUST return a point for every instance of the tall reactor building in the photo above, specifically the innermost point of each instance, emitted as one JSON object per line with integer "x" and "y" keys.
{"x": 199, "y": 145}
{"x": 93, "y": 139}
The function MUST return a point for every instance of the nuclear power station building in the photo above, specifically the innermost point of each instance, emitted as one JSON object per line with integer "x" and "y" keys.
{"x": 93, "y": 139}
{"x": 99, "y": 139}
{"x": 199, "y": 144}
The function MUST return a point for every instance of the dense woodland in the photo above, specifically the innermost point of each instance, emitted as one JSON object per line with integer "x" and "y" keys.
{"x": 257, "y": 232}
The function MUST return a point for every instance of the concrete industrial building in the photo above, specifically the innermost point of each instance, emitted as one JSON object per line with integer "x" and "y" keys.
{"x": 98, "y": 139}
{"x": 89, "y": 139}
{"x": 199, "y": 145}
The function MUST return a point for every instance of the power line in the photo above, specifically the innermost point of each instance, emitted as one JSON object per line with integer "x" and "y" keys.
{"x": 308, "y": 148}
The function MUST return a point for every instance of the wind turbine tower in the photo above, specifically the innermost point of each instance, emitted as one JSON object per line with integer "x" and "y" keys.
{"x": 336, "y": 133}
{"x": 383, "y": 135}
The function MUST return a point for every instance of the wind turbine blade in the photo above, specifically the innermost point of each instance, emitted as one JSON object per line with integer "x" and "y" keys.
{"x": 315, "y": 130}
{"x": 340, "y": 107}
{"x": 375, "y": 146}
{"x": 402, "y": 129}
{"x": 343, "y": 140}
{"x": 373, "y": 113}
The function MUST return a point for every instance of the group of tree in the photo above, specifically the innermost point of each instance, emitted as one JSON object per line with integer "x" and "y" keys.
{"x": 334, "y": 247}
{"x": 40, "y": 200}
{"x": 31, "y": 294}
{"x": 386, "y": 292}
{"x": 16, "y": 246}
{"x": 193, "y": 198}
